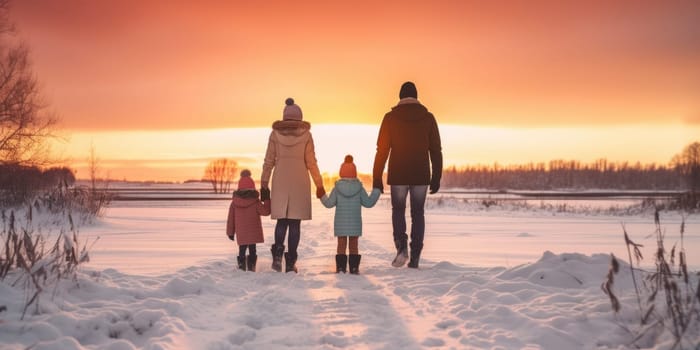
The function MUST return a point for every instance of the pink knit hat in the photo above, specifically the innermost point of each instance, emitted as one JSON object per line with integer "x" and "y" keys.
{"x": 348, "y": 169}
{"x": 291, "y": 111}
{"x": 246, "y": 182}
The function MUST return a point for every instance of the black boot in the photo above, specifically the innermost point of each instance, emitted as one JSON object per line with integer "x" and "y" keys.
{"x": 252, "y": 260}
{"x": 277, "y": 251}
{"x": 415, "y": 255}
{"x": 241, "y": 262}
{"x": 341, "y": 261}
{"x": 290, "y": 260}
{"x": 401, "y": 253}
{"x": 354, "y": 262}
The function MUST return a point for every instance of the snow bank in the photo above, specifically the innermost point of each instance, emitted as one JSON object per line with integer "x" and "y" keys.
{"x": 554, "y": 303}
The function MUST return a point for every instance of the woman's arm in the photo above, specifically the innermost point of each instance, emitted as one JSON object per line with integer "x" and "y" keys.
{"x": 270, "y": 159}
{"x": 311, "y": 164}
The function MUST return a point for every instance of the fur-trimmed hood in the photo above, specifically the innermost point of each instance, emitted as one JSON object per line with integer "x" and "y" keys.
{"x": 291, "y": 127}
{"x": 245, "y": 198}
{"x": 291, "y": 132}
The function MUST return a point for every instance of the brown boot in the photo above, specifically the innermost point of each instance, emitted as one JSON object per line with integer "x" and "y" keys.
{"x": 415, "y": 255}
{"x": 290, "y": 261}
{"x": 277, "y": 251}
{"x": 401, "y": 253}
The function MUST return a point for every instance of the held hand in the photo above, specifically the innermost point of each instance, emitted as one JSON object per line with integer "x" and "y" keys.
{"x": 434, "y": 186}
{"x": 231, "y": 238}
{"x": 320, "y": 192}
{"x": 264, "y": 194}
{"x": 378, "y": 185}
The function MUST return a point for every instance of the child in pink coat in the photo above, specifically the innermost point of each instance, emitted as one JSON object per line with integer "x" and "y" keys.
{"x": 244, "y": 219}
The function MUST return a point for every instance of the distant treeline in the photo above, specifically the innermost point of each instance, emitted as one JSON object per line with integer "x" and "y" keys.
{"x": 558, "y": 174}
{"x": 18, "y": 182}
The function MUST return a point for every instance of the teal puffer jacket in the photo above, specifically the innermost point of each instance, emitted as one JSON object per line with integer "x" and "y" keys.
{"x": 349, "y": 197}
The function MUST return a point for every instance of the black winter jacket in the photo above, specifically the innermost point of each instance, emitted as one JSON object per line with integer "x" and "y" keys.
{"x": 410, "y": 139}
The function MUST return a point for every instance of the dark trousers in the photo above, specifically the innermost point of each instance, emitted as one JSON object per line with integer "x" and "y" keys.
{"x": 251, "y": 249}
{"x": 398, "y": 212}
{"x": 294, "y": 226}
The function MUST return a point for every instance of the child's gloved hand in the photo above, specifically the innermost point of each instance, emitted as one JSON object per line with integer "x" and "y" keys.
{"x": 264, "y": 194}
{"x": 231, "y": 238}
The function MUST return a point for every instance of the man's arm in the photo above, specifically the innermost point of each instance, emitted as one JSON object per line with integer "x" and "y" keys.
{"x": 435, "y": 156}
{"x": 383, "y": 149}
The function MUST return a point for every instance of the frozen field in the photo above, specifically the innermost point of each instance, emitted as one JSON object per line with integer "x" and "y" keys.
{"x": 162, "y": 276}
{"x": 155, "y": 237}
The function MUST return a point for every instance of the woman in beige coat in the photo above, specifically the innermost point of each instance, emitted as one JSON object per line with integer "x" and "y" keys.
{"x": 290, "y": 152}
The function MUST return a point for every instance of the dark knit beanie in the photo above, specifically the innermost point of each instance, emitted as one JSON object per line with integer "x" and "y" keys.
{"x": 408, "y": 89}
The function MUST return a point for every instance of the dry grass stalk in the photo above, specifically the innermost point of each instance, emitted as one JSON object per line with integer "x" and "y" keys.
{"x": 26, "y": 258}
{"x": 667, "y": 299}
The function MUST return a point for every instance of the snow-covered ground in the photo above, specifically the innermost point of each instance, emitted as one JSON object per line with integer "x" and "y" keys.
{"x": 162, "y": 276}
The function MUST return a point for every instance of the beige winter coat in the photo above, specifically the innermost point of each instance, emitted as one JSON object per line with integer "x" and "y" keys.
{"x": 290, "y": 151}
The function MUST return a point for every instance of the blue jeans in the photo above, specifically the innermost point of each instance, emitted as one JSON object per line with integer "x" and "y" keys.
{"x": 398, "y": 213}
{"x": 294, "y": 226}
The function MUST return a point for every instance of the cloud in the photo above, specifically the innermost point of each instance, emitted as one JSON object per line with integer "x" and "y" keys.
{"x": 155, "y": 65}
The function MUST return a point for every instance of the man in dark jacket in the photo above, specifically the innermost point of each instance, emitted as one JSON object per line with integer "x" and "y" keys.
{"x": 410, "y": 139}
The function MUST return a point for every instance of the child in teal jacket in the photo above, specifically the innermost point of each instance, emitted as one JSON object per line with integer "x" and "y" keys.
{"x": 348, "y": 196}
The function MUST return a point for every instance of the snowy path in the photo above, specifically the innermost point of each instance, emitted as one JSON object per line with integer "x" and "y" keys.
{"x": 439, "y": 306}
{"x": 315, "y": 308}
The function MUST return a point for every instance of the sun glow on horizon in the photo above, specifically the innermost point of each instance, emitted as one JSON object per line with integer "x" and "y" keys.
{"x": 182, "y": 155}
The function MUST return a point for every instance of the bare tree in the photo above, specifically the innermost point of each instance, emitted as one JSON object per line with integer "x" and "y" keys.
{"x": 221, "y": 172}
{"x": 687, "y": 163}
{"x": 229, "y": 174}
{"x": 93, "y": 167}
{"x": 25, "y": 123}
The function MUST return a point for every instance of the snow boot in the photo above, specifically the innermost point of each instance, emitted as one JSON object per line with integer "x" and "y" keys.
{"x": 277, "y": 251}
{"x": 341, "y": 261}
{"x": 354, "y": 262}
{"x": 401, "y": 253}
{"x": 290, "y": 260}
{"x": 241, "y": 262}
{"x": 415, "y": 255}
{"x": 252, "y": 260}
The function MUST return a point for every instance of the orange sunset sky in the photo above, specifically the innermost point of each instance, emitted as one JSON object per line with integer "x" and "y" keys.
{"x": 161, "y": 87}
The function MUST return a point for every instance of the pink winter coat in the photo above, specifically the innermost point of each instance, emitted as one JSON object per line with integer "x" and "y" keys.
{"x": 290, "y": 152}
{"x": 244, "y": 217}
